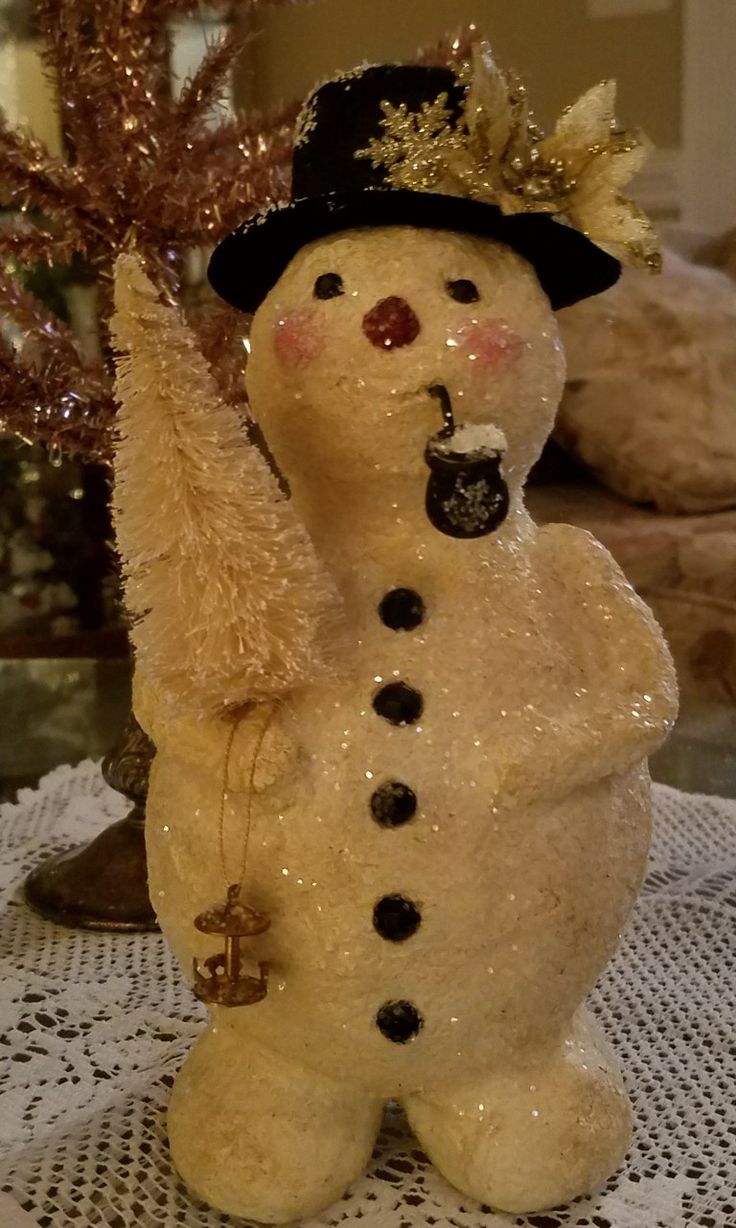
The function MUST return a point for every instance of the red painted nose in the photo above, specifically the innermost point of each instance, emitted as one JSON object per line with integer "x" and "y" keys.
{"x": 391, "y": 323}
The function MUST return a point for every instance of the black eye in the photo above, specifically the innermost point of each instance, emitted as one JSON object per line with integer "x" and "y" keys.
{"x": 328, "y": 285}
{"x": 463, "y": 291}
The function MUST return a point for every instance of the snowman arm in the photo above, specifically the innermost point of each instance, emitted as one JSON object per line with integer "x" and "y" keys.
{"x": 629, "y": 701}
{"x": 262, "y": 751}
{"x": 626, "y": 702}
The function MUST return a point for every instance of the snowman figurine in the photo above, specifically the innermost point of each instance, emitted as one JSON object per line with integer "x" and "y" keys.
{"x": 447, "y": 831}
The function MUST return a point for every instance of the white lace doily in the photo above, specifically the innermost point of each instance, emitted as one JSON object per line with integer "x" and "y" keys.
{"x": 94, "y": 1026}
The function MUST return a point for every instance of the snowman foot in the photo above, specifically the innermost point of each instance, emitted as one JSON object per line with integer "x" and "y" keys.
{"x": 259, "y": 1137}
{"x": 535, "y": 1137}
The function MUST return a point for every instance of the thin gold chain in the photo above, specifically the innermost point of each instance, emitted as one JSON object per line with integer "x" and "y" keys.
{"x": 224, "y": 797}
{"x": 251, "y": 779}
{"x": 225, "y": 791}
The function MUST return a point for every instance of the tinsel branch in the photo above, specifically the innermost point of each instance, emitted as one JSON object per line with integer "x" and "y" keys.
{"x": 238, "y": 141}
{"x": 73, "y": 74}
{"x": 29, "y": 246}
{"x": 238, "y": 151}
{"x": 142, "y": 167}
{"x": 34, "y": 322}
{"x": 189, "y": 141}
{"x": 19, "y": 397}
{"x": 46, "y": 406}
{"x": 224, "y": 197}
{"x": 206, "y": 87}
{"x": 110, "y": 64}
{"x": 49, "y": 391}
{"x": 221, "y": 332}
{"x": 32, "y": 179}
{"x": 266, "y": 124}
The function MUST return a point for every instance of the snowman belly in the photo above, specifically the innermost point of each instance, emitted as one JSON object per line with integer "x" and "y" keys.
{"x": 454, "y": 938}
{"x": 417, "y": 932}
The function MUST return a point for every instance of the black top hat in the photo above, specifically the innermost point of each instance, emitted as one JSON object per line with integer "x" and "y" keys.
{"x": 334, "y": 189}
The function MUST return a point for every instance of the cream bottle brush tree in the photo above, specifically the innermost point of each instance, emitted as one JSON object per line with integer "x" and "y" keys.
{"x": 229, "y": 601}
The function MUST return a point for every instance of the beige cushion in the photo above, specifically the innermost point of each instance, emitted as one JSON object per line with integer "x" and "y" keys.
{"x": 651, "y": 403}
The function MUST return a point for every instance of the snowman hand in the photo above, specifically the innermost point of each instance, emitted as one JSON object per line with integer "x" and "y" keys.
{"x": 626, "y": 700}
{"x": 557, "y": 756}
{"x": 263, "y": 754}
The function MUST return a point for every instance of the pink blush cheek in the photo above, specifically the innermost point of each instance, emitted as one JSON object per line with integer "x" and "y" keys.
{"x": 490, "y": 344}
{"x": 297, "y": 337}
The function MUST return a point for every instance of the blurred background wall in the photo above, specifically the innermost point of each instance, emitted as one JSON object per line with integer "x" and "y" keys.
{"x": 25, "y": 93}
{"x": 558, "y": 46}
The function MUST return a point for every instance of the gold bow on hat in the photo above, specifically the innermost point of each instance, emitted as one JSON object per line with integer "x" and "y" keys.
{"x": 496, "y": 153}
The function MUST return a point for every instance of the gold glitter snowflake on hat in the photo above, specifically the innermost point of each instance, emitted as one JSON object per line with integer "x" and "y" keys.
{"x": 496, "y": 153}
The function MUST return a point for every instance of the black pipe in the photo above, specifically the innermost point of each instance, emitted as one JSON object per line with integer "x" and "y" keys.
{"x": 467, "y": 495}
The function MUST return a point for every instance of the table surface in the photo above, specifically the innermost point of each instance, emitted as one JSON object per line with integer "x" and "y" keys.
{"x": 97, "y": 1025}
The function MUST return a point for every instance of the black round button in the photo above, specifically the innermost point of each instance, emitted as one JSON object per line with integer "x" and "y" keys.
{"x": 398, "y": 703}
{"x": 401, "y": 609}
{"x": 399, "y": 1021}
{"x": 395, "y": 918}
{"x": 393, "y": 804}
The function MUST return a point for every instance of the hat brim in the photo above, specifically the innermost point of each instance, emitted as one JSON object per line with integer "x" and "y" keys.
{"x": 247, "y": 264}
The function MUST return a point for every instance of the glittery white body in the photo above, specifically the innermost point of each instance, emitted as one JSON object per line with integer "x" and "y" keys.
{"x": 545, "y": 683}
